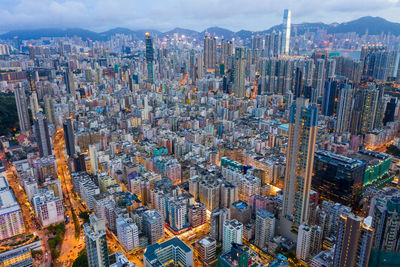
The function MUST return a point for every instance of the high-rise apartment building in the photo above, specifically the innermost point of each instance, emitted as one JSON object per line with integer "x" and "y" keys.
{"x": 69, "y": 137}
{"x": 232, "y": 232}
{"x": 127, "y": 233}
{"x": 385, "y": 213}
{"x": 309, "y": 241}
{"x": 354, "y": 242}
{"x": 70, "y": 83}
{"x": 265, "y": 228}
{"x": 153, "y": 225}
{"x": 96, "y": 242}
{"x": 218, "y": 217}
{"x": 42, "y": 135}
{"x": 239, "y": 72}
{"x": 344, "y": 109}
{"x": 210, "y": 52}
{"x": 299, "y": 160}
{"x": 22, "y": 109}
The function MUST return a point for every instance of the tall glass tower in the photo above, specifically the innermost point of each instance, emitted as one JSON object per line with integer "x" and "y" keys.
{"x": 299, "y": 160}
{"x": 149, "y": 57}
{"x": 286, "y": 27}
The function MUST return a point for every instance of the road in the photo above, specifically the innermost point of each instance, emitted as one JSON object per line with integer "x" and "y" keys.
{"x": 71, "y": 245}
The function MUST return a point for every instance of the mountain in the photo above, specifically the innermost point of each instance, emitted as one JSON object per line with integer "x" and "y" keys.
{"x": 220, "y": 32}
{"x": 374, "y": 26}
{"x": 52, "y": 32}
{"x": 181, "y": 32}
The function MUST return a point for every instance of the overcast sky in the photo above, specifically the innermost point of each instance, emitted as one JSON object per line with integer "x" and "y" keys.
{"x": 100, "y": 15}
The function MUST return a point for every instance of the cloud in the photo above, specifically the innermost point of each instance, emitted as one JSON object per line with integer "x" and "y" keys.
{"x": 163, "y": 15}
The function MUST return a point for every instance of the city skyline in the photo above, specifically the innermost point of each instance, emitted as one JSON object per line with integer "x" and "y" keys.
{"x": 166, "y": 15}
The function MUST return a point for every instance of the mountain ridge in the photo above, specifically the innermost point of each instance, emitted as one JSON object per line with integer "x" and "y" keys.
{"x": 372, "y": 25}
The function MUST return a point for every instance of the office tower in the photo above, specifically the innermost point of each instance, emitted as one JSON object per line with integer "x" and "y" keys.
{"x": 206, "y": 249}
{"x": 197, "y": 214}
{"x": 241, "y": 211}
{"x": 210, "y": 52}
{"x": 299, "y": 160}
{"x": 330, "y": 68}
{"x": 42, "y": 135}
{"x": 127, "y": 233}
{"x": 12, "y": 223}
{"x": 232, "y": 232}
{"x": 153, "y": 225}
{"x": 22, "y": 109}
{"x": 344, "y": 109}
{"x": 229, "y": 194}
{"x": 239, "y": 72}
{"x": 337, "y": 177}
{"x": 217, "y": 219}
{"x": 49, "y": 109}
{"x": 309, "y": 242}
{"x": 354, "y": 241}
{"x": 149, "y": 58}
{"x": 286, "y": 31}
{"x": 70, "y": 83}
{"x": 69, "y": 137}
{"x": 235, "y": 257}
{"x": 265, "y": 228}
{"x": 385, "y": 213}
{"x": 172, "y": 252}
{"x": 96, "y": 242}
{"x": 319, "y": 78}
{"x": 390, "y": 111}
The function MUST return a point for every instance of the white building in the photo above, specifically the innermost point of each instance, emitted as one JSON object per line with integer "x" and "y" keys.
{"x": 11, "y": 219}
{"x": 308, "y": 242}
{"x": 233, "y": 232}
{"x": 265, "y": 228}
{"x": 127, "y": 233}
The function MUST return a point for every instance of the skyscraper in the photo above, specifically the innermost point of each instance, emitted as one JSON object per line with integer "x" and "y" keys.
{"x": 233, "y": 232}
{"x": 22, "y": 109}
{"x": 354, "y": 241}
{"x": 210, "y": 51}
{"x": 239, "y": 72}
{"x": 286, "y": 30}
{"x": 49, "y": 109}
{"x": 69, "y": 137}
{"x": 299, "y": 160}
{"x": 69, "y": 83}
{"x": 42, "y": 135}
{"x": 344, "y": 108}
{"x": 96, "y": 242}
{"x": 149, "y": 58}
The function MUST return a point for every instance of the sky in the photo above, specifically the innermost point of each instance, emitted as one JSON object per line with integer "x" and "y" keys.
{"x": 164, "y": 15}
